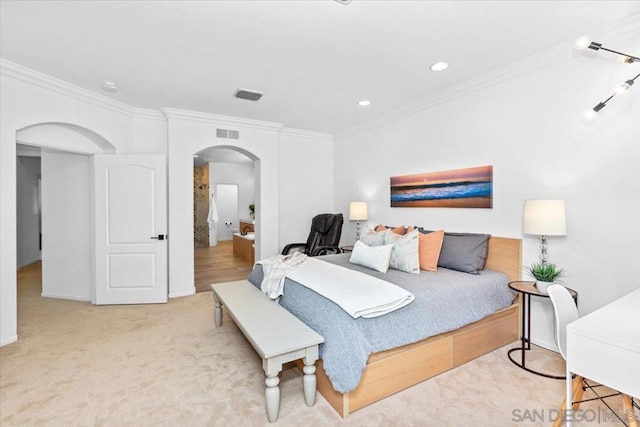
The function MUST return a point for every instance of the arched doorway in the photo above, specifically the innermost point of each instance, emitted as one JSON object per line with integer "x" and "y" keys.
{"x": 223, "y": 215}
{"x": 64, "y": 205}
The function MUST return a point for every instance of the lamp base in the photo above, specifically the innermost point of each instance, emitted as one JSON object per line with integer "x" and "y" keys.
{"x": 543, "y": 249}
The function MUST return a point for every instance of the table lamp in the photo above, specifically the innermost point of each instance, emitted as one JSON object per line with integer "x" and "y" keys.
{"x": 358, "y": 212}
{"x": 544, "y": 218}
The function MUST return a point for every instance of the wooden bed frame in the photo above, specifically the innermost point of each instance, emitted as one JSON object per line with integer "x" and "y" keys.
{"x": 391, "y": 371}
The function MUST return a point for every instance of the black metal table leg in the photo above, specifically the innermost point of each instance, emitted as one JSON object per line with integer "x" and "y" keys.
{"x": 526, "y": 289}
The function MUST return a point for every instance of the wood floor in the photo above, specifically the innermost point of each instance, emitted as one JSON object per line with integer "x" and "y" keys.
{"x": 218, "y": 264}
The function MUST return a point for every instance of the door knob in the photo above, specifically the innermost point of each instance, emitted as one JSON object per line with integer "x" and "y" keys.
{"x": 158, "y": 237}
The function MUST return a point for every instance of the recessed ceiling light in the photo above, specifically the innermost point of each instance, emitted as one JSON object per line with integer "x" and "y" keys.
{"x": 364, "y": 103}
{"x": 439, "y": 66}
{"x": 110, "y": 86}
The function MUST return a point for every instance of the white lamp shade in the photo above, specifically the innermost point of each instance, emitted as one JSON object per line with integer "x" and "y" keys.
{"x": 358, "y": 211}
{"x": 544, "y": 218}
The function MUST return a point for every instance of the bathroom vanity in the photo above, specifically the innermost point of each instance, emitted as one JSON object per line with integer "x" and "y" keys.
{"x": 243, "y": 241}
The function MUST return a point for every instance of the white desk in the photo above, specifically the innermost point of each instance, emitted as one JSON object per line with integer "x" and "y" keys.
{"x": 605, "y": 346}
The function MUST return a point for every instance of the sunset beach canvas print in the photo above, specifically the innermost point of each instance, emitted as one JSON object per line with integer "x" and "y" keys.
{"x": 460, "y": 188}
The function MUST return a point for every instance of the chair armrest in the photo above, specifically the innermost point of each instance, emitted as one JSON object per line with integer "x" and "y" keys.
{"x": 325, "y": 250}
{"x": 290, "y": 246}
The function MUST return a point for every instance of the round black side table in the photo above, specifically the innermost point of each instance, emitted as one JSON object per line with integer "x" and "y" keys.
{"x": 527, "y": 289}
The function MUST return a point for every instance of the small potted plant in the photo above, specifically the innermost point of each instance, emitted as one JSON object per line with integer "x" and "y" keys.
{"x": 252, "y": 210}
{"x": 545, "y": 274}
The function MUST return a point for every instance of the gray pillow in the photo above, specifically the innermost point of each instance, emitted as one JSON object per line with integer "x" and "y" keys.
{"x": 372, "y": 238}
{"x": 464, "y": 252}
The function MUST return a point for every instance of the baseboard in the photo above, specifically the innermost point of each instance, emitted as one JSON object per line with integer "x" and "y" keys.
{"x": 48, "y": 295}
{"x": 183, "y": 294}
{"x": 545, "y": 344}
{"x": 8, "y": 341}
{"x": 27, "y": 264}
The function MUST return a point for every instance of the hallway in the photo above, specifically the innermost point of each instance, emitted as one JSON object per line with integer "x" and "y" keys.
{"x": 218, "y": 264}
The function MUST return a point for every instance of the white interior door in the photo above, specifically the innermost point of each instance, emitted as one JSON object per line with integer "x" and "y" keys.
{"x": 130, "y": 215}
{"x": 227, "y": 202}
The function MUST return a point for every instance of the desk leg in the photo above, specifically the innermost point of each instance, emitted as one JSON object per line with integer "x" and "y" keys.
{"x": 272, "y": 397}
{"x": 569, "y": 408}
{"x": 217, "y": 312}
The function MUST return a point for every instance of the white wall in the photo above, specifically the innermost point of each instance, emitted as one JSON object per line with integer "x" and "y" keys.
{"x": 28, "y": 210}
{"x": 306, "y": 182}
{"x": 531, "y": 129}
{"x": 30, "y": 98}
{"x": 189, "y": 133}
{"x": 66, "y": 226}
{"x": 232, "y": 173}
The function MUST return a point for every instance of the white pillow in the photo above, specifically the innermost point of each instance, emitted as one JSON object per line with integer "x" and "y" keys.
{"x": 372, "y": 238}
{"x": 406, "y": 253}
{"x": 374, "y": 257}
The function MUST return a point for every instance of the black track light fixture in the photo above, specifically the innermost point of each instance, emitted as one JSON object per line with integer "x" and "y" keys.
{"x": 585, "y": 43}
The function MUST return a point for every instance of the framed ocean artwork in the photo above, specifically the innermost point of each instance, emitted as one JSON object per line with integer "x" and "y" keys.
{"x": 460, "y": 188}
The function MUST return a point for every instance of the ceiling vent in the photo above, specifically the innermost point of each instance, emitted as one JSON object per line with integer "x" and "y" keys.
{"x": 227, "y": 134}
{"x": 249, "y": 95}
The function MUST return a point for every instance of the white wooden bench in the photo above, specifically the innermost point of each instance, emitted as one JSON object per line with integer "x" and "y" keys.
{"x": 277, "y": 335}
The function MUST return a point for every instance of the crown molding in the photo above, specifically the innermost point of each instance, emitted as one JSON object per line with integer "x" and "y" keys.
{"x": 218, "y": 119}
{"x": 145, "y": 113}
{"x": 45, "y": 81}
{"x": 624, "y": 28}
{"x": 307, "y": 134}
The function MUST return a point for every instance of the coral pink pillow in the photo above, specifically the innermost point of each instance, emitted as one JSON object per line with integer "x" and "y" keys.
{"x": 429, "y": 248}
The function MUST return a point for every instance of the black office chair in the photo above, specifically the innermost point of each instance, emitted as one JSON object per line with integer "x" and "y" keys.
{"x": 323, "y": 239}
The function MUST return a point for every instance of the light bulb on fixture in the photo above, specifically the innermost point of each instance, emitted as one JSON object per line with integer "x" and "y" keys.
{"x": 590, "y": 114}
{"x": 624, "y": 87}
{"x": 582, "y": 43}
{"x": 364, "y": 103}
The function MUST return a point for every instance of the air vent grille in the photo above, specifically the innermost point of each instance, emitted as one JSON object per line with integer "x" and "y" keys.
{"x": 227, "y": 134}
{"x": 249, "y": 95}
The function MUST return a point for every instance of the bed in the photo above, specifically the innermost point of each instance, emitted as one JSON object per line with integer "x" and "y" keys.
{"x": 365, "y": 360}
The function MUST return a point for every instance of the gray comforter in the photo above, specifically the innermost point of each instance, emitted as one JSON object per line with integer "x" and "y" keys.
{"x": 445, "y": 300}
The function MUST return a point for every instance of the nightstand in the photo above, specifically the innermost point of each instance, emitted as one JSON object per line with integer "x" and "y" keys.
{"x": 526, "y": 289}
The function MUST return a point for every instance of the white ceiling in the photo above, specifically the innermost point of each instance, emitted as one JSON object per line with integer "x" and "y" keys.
{"x": 312, "y": 59}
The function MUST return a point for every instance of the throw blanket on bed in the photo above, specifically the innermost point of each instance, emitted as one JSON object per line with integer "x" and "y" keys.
{"x": 275, "y": 269}
{"x": 357, "y": 293}
{"x": 444, "y": 300}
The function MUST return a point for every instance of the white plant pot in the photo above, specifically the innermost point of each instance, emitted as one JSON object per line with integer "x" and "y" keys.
{"x": 543, "y": 286}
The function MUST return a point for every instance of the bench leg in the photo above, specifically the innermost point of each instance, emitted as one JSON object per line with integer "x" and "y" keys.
{"x": 309, "y": 383}
{"x": 217, "y": 312}
{"x": 272, "y": 397}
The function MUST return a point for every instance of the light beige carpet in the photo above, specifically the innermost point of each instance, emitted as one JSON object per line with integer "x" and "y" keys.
{"x": 167, "y": 365}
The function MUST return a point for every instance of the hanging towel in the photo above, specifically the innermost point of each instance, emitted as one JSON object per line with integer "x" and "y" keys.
{"x": 213, "y": 219}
